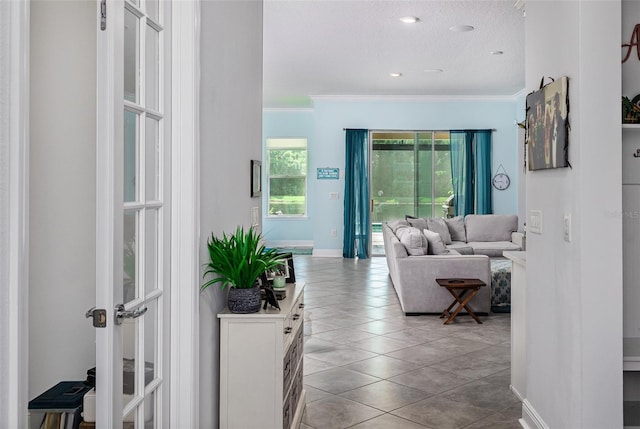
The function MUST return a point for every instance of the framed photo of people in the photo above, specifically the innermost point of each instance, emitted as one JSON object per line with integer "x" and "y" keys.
{"x": 547, "y": 126}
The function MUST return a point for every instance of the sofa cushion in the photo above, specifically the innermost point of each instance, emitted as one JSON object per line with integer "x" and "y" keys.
{"x": 456, "y": 228}
{"x": 490, "y": 227}
{"x": 440, "y": 226}
{"x": 436, "y": 246}
{"x": 394, "y": 224}
{"x": 492, "y": 248}
{"x": 412, "y": 239}
{"x": 462, "y": 247}
{"x": 418, "y": 222}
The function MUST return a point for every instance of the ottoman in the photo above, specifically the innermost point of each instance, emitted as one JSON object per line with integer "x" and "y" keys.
{"x": 500, "y": 285}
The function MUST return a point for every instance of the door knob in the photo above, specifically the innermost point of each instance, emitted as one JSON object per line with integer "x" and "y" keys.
{"x": 121, "y": 313}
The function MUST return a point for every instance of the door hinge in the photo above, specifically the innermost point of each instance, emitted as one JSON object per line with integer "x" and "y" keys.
{"x": 99, "y": 317}
{"x": 103, "y": 15}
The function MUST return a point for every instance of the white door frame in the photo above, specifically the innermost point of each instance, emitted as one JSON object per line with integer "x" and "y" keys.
{"x": 184, "y": 391}
{"x": 14, "y": 213}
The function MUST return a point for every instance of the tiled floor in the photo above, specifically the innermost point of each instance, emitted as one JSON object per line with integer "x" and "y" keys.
{"x": 366, "y": 365}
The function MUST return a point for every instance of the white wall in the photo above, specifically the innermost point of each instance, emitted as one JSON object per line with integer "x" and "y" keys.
{"x": 574, "y": 290}
{"x": 230, "y": 135}
{"x": 62, "y": 192}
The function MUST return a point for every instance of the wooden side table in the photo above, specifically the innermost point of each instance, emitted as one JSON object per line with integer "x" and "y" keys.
{"x": 458, "y": 288}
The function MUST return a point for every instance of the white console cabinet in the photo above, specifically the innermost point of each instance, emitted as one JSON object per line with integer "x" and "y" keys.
{"x": 261, "y": 365}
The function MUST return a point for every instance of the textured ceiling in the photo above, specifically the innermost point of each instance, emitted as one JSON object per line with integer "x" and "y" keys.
{"x": 349, "y": 47}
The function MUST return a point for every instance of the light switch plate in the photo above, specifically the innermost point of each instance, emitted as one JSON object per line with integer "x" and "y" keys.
{"x": 535, "y": 221}
{"x": 255, "y": 216}
{"x": 566, "y": 227}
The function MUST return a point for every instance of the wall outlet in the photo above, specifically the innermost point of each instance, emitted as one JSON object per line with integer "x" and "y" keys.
{"x": 566, "y": 227}
{"x": 535, "y": 221}
{"x": 334, "y": 195}
{"x": 334, "y": 232}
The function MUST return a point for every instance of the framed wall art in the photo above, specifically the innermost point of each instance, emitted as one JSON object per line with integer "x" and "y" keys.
{"x": 547, "y": 126}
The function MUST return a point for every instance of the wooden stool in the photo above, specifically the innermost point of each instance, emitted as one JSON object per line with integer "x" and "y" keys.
{"x": 463, "y": 286}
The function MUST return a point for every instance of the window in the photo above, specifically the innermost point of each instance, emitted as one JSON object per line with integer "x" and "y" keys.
{"x": 287, "y": 177}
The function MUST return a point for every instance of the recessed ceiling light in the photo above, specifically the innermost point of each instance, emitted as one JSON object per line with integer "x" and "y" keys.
{"x": 433, "y": 70}
{"x": 395, "y": 74}
{"x": 461, "y": 28}
{"x": 497, "y": 52}
{"x": 409, "y": 19}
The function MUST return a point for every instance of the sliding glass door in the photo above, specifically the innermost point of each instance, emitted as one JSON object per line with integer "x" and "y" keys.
{"x": 410, "y": 175}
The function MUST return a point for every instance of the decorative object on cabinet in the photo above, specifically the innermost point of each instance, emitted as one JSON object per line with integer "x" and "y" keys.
{"x": 237, "y": 261}
{"x": 279, "y": 274}
{"x": 270, "y": 298}
{"x": 547, "y": 126}
{"x": 631, "y": 110}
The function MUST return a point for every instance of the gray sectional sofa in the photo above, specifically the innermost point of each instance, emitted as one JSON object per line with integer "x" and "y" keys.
{"x": 420, "y": 250}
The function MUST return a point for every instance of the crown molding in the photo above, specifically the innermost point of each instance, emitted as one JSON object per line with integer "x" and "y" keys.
{"x": 287, "y": 109}
{"x": 415, "y": 98}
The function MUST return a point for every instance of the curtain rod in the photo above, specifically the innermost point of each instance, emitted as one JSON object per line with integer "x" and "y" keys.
{"x": 399, "y": 131}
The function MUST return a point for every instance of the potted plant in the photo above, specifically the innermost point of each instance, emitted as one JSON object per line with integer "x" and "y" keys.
{"x": 237, "y": 261}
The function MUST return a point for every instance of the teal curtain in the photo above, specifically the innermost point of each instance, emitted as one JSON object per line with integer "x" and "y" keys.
{"x": 482, "y": 171}
{"x": 461, "y": 172}
{"x": 356, "y": 195}
{"x": 471, "y": 171}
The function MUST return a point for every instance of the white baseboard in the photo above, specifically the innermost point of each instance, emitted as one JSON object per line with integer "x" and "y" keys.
{"x": 530, "y": 417}
{"x": 290, "y": 243}
{"x": 515, "y": 392}
{"x": 327, "y": 253}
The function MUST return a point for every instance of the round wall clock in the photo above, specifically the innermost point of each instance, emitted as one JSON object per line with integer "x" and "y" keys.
{"x": 501, "y": 181}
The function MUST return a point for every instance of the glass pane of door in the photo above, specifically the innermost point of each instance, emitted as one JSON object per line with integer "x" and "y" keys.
{"x": 424, "y": 176}
{"x": 392, "y": 176}
{"x": 131, "y": 57}
{"x": 130, "y": 259}
{"x": 443, "y": 188}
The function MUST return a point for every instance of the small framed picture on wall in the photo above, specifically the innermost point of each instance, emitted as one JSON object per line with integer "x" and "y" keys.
{"x": 256, "y": 178}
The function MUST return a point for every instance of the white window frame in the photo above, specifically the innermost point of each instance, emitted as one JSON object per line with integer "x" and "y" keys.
{"x": 278, "y": 143}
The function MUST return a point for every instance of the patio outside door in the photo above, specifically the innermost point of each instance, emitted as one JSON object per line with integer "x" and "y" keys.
{"x": 133, "y": 211}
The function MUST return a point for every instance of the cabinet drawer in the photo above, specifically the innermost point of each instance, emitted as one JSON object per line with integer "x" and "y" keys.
{"x": 293, "y": 321}
{"x": 288, "y": 366}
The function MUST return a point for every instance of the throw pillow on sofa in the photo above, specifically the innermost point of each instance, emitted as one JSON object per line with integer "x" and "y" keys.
{"x": 394, "y": 224}
{"x": 456, "y": 228}
{"x": 417, "y": 222}
{"x": 440, "y": 226}
{"x": 413, "y": 240}
{"x": 436, "y": 246}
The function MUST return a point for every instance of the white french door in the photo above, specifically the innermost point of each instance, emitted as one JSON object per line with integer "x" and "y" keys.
{"x": 133, "y": 209}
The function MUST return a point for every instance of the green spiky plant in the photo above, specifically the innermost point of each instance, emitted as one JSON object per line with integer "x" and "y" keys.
{"x": 237, "y": 260}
